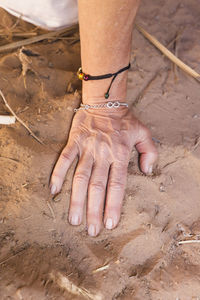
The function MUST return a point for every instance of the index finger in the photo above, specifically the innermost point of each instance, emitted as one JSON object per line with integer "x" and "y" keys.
{"x": 65, "y": 160}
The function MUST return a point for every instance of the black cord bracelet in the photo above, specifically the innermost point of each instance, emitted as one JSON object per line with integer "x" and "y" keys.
{"x": 86, "y": 77}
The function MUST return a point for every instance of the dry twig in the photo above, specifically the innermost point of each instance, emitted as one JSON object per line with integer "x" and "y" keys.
{"x": 45, "y": 36}
{"x": 196, "y": 144}
{"x": 176, "y": 54}
{"x": 188, "y": 242}
{"x": 51, "y": 210}
{"x": 168, "y": 53}
{"x": 19, "y": 120}
{"x": 101, "y": 269}
{"x": 10, "y": 257}
{"x": 18, "y": 34}
{"x": 10, "y": 158}
{"x": 175, "y": 39}
{"x": 64, "y": 283}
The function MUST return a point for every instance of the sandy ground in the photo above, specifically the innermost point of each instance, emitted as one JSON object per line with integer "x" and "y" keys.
{"x": 41, "y": 255}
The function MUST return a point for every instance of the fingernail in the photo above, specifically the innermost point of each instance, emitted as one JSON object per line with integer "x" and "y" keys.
{"x": 150, "y": 170}
{"x": 53, "y": 189}
{"x": 92, "y": 230}
{"x": 109, "y": 223}
{"x": 74, "y": 220}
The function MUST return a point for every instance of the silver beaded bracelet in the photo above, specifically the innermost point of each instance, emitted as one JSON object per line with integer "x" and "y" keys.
{"x": 110, "y": 104}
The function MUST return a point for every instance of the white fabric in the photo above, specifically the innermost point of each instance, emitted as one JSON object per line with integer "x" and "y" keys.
{"x": 49, "y": 14}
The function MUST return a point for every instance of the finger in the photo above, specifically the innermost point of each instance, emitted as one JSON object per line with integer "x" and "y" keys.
{"x": 79, "y": 189}
{"x": 145, "y": 146}
{"x": 65, "y": 160}
{"x": 115, "y": 194}
{"x": 96, "y": 197}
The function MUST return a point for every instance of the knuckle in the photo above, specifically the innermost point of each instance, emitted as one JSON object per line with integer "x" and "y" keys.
{"x": 121, "y": 152}
{"x": 97, "y": 186}
{"x": 81, "y": 177}
{"x": 65, "y": 155}
{"x": 116, "y": 185}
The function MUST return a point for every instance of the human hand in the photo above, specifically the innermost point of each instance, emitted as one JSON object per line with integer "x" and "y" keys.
{"x": 103, "y": 141}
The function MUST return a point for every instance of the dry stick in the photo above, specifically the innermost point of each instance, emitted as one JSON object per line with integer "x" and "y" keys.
{"x": 38, "y": 38}
{"x": 174, "y": 65}
{"x": 157, "y": 73}
{"x": 10, "y": 257}
{"x": 51, "y": 209}
{"x": 173, "y": 40}
{"x": 101, "y": 269}
{"x": 168, "y": 53}
{"x": 188, "y": 242}
{"x": 197, "y": 143}
{"x": 64, "y": 283}
{"x": 19, "y": 34}
{"x": 19, "y": 120}
{"x": 13, "y": 159}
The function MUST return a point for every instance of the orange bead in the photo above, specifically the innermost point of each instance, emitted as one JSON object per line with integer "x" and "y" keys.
{"x": 81, "y": 76}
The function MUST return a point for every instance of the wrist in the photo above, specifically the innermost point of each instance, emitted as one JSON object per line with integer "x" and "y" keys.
{"x": 93, "y": 92}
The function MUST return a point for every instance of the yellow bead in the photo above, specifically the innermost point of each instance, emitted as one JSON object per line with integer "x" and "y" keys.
{"x": 81, "y": 76}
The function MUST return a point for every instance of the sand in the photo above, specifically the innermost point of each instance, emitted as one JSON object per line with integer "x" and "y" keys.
{"x": 41, "y": 255}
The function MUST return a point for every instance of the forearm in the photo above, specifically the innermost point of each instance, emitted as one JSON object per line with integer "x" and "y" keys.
{"x": 106, "y": 34}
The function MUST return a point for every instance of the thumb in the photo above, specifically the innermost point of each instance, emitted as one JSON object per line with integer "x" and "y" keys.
{"x": 147, "y": 150}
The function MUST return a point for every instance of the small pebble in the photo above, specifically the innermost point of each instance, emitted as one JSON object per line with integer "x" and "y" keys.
{"x": 162, "y": 188}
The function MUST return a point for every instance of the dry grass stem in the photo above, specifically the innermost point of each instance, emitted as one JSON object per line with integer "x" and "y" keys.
{"x": 168, "y": 53}
{"x": 51, "y": 209}
{"x": 174, "y": 65}
{"x": 45, "y": 36}
{"x": 64, "y": 283}
{"x": 10, "y": 257}
{"x": 19, "y": 120}
{"x": 18, "y": 34}
{"x": 101, "y": 269}
{"x": 13, "y": 159}
{"x": 197, "y": 143}
{"x": 188, "y": 242}
{"x": 175, "y": 39}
